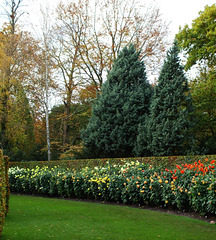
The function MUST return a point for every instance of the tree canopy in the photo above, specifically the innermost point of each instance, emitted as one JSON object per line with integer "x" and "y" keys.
{"x": 199, "y": 40}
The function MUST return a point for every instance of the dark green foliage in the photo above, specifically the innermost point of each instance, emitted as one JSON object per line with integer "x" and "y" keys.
{"x": 167, "y": 130}
{"x": 203, "y": 91}
{"x": 120, "y": 108}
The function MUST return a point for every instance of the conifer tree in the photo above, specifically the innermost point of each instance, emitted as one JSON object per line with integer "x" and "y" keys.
{"x": 167, "y": 131}
{"x": 120, "y": 108}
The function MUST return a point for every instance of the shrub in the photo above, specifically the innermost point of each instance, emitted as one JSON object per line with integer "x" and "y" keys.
{"x": 2, "y": 191}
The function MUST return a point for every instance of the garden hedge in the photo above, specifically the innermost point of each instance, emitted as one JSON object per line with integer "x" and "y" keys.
{"x": 2, "y": 191}
{"x": 6, "y": 162}
{"x": 78, "y": 164}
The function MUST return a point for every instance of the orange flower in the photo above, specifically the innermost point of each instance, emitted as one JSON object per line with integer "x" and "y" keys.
{"x": 178, "y": 167}
{"x": 182, "y": 171}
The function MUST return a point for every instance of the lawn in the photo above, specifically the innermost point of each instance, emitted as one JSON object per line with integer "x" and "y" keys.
{"x": 37, "y": 218}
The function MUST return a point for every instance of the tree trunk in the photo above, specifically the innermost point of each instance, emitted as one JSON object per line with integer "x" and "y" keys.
{"x": 65, "y": 125}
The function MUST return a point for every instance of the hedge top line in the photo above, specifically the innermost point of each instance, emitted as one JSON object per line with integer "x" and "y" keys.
{"x": 166, "y": 161}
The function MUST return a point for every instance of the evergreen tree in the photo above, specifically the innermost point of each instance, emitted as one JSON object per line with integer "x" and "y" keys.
{"x": 119, "y": 109}
{"x": 167, "y": 131}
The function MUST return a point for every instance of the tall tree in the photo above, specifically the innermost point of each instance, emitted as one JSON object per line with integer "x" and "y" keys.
{"x": 13, "y": 12}
{"x": 70, "y": 28}
{"x": 203, "y": 91}
{"x": 167, "y": 130}
{"x": 119, "y": 109}
{"x": 199, "y": 41}
{"x": 109, "y": 25}
{"x": 19, "y": 127}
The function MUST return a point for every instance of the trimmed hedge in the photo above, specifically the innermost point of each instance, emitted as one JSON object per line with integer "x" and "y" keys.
{"x": 6, "y": 162}
{"x": 78, "y": 164}
{"x": 2, "y": 191}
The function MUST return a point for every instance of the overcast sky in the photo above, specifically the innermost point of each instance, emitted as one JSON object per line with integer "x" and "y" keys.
{"x": 177, "y": 13}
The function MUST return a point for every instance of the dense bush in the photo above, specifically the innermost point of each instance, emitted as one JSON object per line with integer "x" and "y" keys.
{"x": 186, "y": 187}
{"x": 2, "y": 191}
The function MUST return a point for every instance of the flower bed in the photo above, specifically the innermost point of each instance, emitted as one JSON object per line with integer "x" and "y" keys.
{"x": 189, "y": 187}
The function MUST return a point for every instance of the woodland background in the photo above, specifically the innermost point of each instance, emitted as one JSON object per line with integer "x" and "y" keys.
{"x": 70, "y": 61}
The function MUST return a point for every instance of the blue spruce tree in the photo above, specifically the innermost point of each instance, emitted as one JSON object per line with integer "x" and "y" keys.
{"x": 167, "y": 131}
{"x": 117, "y": 112}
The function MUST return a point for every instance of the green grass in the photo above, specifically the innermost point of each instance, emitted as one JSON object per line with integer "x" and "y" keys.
{"x": 32, "y": 218}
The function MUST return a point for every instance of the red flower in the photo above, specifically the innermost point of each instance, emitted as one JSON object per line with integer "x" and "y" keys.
{"x": 212, "y": 162}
